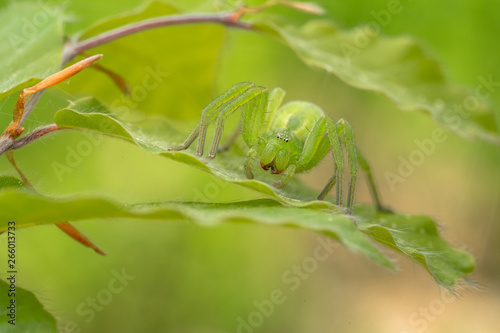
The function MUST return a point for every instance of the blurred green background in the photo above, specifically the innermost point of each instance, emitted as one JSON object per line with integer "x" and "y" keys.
{"x": 193, "y": 279}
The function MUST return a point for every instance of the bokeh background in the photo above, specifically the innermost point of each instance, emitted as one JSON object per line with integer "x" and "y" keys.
{"x": 189, "y": 278}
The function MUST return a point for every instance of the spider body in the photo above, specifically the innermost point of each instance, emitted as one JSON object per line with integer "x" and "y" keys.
{"x": 284, "y": 143}
{"x": 286, "y": 140}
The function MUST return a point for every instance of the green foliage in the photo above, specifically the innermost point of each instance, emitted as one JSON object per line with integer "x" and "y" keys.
{"x": 9, "y": 181}
{"x": 22, "y": 40}
{"x": 416, "y": 237}
{"x": 30, "y": 314}
{"x": 169, "y": 70}
{"x": 182, "y": 63}
{"x": 396, "y": 67}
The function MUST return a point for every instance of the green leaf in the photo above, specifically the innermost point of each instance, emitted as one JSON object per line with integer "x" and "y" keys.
{"x": 30, "y": 316}
{"x": 168, "y": 68}
{"x": 29, "y": 209}
{"x": 414, "y": 236}
{"x": 9, "y": 181}
{"x": 417, "y": 238}
{"x": 396, "y": 67}
{"x": 30, "y": 46}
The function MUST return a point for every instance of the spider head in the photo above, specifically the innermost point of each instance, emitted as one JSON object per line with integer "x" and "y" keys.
{"x": 278, "y": 149}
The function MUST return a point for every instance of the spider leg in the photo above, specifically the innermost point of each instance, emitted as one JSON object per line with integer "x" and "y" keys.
{"x": 331, "y": 183}
{"x": 231, "y": 140}
{"x": 257, "y": 117}
{"x": 192, "y": 136}
{"x": 274, "y": 102}
{"x": 371, "y": 183}
{"x": 352, "y": 154}
{"x": 227, "y": 109}
{"x": 209, "y": 115}
{"x": 248, "y": 164}
{"x": 338, "y": 156}
{"x": 287, "y": 175}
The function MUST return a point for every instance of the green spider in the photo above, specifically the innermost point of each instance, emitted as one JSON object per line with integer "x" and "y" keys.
{"x": 289, "y": 139}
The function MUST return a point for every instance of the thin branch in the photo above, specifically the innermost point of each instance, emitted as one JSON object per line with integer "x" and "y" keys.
{"x": 5, "y": 143}
{"x": 25, "y": 106}
{"x": 117, "y": 79}
{"x": 10, "y": 157}
{"x": 73, "y": 49}
{"x": 35, "y": 135}
{"x": 227, "y": 18}
{"x": 232, "y": 19}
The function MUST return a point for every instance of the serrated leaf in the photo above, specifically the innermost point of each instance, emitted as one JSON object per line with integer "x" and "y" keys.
{"x": 32, "y": 209}
{"x": 414, "y": 236}
{"x": 396, "y": 67}
{"x": 30, "y": 45}
{"x": 417, "y": 238}
{"x": 30, "y": 316}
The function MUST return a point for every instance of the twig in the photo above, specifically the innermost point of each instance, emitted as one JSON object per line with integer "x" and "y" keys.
{"x": 35, "y": 135}
{"x": 227, "y": 18}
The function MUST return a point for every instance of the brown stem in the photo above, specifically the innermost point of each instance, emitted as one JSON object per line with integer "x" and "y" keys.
{"x": 10, "y": 157}
{"x": 232, "y": 19}
{"x": 35, "y": 135}
{"x": 229, "y": 19}
{"x": 117, "y": 79}
{"x": 73, "y": 49}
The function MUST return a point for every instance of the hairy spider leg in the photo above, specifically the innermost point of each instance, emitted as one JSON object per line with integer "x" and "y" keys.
{"x": 208, "y": 112}
{"x": 371, "y": 183}
{"x": 225, "y": 111}
{"x": 256, "y": 121}
{"x": 315, "y": 147}
{"x": 248, "y": 164}
{"x": 231, "y": 140}
{"x": 276, "y": 97}
{"x": 253, "y": 118}
{"x": 352, "y": 155}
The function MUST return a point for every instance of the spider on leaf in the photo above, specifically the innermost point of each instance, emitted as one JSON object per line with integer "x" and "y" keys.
{"x": 287, "y": 140}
